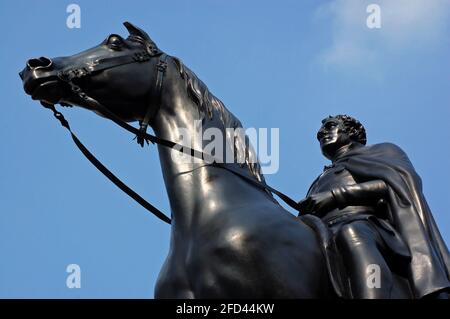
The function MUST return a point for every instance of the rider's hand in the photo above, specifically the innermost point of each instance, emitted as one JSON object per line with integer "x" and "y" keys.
{"x": 317, "y": 203}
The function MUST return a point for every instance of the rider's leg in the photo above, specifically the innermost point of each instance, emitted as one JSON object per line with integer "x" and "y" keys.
{"x": 367, "y": 271}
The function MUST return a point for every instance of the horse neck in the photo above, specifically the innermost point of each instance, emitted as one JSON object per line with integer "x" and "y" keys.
{"x": 197, "y": 192}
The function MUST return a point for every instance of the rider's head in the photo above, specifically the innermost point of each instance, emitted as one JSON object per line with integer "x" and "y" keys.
{"x": 339, "y": 131}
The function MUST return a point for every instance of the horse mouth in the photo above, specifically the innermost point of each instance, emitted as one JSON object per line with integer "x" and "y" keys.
{"x": 50, "y": 90}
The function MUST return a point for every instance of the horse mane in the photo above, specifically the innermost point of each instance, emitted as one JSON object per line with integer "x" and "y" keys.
{"x": 209, "y": 105}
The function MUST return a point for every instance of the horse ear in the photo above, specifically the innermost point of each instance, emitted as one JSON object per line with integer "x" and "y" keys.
{"x": 133, "y": 30}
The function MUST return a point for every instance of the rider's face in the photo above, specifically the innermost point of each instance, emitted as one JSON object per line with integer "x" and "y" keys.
{"x": 332, "y": 136}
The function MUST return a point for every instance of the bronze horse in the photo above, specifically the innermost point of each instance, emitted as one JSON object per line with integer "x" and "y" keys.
{"x": 229, "y": 239}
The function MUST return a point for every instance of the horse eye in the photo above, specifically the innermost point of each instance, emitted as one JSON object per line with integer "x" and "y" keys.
{"x": 115, "y": 42}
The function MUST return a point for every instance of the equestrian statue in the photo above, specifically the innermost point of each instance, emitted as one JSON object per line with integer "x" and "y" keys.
{"x": 230, "y": 238}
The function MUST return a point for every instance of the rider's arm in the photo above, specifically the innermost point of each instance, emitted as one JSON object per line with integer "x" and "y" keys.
{"x": 360, "y": 194}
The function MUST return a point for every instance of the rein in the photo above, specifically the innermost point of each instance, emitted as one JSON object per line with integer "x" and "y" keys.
{"x": 68, "y": 75}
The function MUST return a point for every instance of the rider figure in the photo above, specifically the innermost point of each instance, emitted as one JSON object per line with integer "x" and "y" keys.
{"x": 371, "y": 201}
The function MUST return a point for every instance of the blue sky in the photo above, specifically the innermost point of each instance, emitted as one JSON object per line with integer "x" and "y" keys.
{"x": 281, "y": 64}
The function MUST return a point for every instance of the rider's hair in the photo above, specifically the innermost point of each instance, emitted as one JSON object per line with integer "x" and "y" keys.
{"x": 354, "y": 128}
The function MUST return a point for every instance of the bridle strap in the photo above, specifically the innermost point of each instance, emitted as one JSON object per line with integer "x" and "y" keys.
{"x": 127, "y": 190}
{"x": 98, "y": 65}
{"x": 153, "y": 108}
{"x": 104, "y": 170}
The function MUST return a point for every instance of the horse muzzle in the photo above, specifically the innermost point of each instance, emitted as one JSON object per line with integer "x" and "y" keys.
{"x": 40, "y": 80}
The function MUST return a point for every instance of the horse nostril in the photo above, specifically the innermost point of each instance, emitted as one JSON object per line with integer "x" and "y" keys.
{"x": 42, "y": 62}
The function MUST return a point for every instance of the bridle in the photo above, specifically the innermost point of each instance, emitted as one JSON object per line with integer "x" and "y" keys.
{"x": 69, "y": 74}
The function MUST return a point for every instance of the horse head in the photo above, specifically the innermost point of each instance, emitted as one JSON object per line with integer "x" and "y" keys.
{"x": 117, "y": 73}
